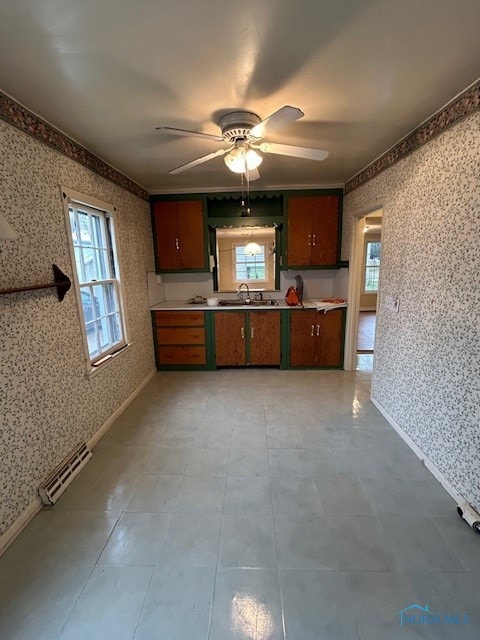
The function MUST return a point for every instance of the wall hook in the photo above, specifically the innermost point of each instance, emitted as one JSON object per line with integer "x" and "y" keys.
{"x": 62, "y": 284}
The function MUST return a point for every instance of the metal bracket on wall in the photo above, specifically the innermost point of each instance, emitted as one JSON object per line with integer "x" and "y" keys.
{"x": 62, "y": 284}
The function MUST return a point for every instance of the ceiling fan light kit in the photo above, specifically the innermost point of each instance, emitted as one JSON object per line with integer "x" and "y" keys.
{"x": 244, "y": 130}
{"x": 242, "y": 160}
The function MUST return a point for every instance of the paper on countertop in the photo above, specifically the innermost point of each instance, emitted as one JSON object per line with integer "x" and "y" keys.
{"x": 327, "y": 304}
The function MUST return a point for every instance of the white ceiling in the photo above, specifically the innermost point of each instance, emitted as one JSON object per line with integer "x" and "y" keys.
{"x": 365, "y": 72}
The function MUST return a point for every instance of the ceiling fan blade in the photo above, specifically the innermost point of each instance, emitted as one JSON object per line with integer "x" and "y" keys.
{"x": 201, "y": 160}
{"x": 187, "y": 132}
{"x": 279, "y": 119}
{"x": 296, "y": 152}
{"x": 252, "y": 175}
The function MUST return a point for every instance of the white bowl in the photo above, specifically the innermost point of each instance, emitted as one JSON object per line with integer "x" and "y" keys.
{"x": 212, "y": 302}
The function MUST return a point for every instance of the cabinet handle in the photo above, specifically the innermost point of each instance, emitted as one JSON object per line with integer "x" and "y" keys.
{"x": 314, "y": 239}
{"x": 251, "y": 332}
{"x": 309, "y": 238}
{"x": 313, "y": 330}
{"x": 177, "y": 246}
{"x": 318, "y": 329}
{"x": 242, "y": 332}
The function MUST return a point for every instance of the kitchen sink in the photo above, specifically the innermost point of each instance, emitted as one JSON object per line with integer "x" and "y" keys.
{"x": 252, "y": 303}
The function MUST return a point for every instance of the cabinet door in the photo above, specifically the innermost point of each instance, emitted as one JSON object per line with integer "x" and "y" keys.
{"x": 265, "y": 337}
{"x": 302, "y": 338}
{"x": 299, "y": 234}
{"x": 191, "y": 234}
{"x": 230, "y": 338}
{"x": 328, "y": 338}
{"x": 166, "y": 235}
{"x": 325, "y": 231}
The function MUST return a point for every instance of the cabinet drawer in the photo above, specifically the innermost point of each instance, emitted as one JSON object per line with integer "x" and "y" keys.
{"x": 182, "y": 355}
{"x": 179, "y": 318}
{"x": 181, "y": 335}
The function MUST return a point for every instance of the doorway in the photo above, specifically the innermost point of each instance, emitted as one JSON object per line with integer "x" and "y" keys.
{"x": 363, "y": 290}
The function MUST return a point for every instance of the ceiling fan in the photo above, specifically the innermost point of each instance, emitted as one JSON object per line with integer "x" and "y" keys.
{"x": 244, "y": 131}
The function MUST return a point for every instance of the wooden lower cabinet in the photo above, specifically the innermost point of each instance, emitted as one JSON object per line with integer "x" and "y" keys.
{"x": 180, "y": 338}
{"x": 265, "y": 337}
{"x": 316, "y": 338}
{"x": 230, "y": 339}
{"x": 183, "y": 339}
{"x": 247, "y": 338}
{"x": 302, "y": 338}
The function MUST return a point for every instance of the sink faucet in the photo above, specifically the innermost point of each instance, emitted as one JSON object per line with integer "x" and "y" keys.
{"x": 247, "y": 299}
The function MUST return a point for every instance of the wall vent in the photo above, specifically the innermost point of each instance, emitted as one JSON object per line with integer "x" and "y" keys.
{"x": 63, "y": 474}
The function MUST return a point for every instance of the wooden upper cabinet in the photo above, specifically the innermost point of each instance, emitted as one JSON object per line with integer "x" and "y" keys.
{"x": 179, "y": 235}
{"x": 313, "y": 231}
{"x": 191, "y": 235}
{"x": 325, "y": 231}
{"x": 300, "y": 214}
{"x": 166, "y": 234}
{"x": 265, "y": 337}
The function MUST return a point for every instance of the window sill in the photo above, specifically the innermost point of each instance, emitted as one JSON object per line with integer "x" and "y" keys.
{"x": 101, "y": 364}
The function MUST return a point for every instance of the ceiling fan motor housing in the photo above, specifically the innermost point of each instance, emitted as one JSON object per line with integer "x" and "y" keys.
{"x": 238, "y": 124}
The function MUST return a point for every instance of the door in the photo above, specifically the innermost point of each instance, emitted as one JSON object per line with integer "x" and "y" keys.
{"x": 328, "y": 338}
{"x": 191, "y": 234}
{"x": 299, "y": 240}
{"x": 302, "y": 338}
{"x": 265, "y": 337}
{"x": 230, "y": 348}
{"x": 325, "y": 231}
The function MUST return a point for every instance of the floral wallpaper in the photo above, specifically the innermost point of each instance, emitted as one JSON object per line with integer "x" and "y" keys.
{"x": 47, "y": 403}
{"x": 20, "y": 117}
{"x": 427, "y": 356}
{"x": 460, "y": 107}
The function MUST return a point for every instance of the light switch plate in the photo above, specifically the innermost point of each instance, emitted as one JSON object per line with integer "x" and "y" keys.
{"x": 392, "y": 303}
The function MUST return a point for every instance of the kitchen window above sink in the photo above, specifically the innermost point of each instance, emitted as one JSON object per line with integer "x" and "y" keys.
{"x": 246, "y": 255}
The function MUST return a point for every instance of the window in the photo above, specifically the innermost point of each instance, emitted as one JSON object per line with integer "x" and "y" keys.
{"x": 97, "y": 279}
{"x": 250, "y": 268}
{"x": 372, "y": 265}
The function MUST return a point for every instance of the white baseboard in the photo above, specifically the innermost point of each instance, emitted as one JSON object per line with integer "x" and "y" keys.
{"x": 19, "y": 525}
{"x": 118, "y": 412}
{"x": 420, "y": 454}
{"x": 21, "y": 522}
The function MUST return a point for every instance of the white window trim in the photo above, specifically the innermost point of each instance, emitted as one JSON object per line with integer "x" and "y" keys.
{"x": 234, "y": 263}
{"x": 369, "y": 238}
{"x": 69, "y": 196}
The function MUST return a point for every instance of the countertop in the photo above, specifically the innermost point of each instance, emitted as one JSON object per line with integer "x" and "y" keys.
{"x": 181, "y": 305}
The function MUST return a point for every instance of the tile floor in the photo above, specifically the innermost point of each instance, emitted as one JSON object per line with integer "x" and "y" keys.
{"x": 246, "y": 505}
